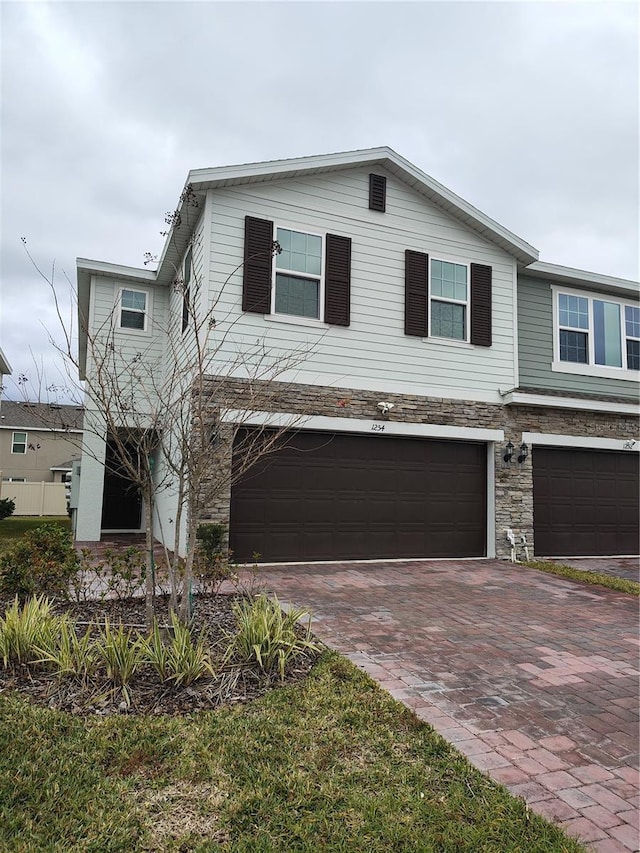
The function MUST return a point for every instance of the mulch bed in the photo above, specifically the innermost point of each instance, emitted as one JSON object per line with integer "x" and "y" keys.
{"x": 211, "y": 614}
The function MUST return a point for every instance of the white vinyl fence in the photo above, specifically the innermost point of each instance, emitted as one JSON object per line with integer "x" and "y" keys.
{"x": 36, "y": 498}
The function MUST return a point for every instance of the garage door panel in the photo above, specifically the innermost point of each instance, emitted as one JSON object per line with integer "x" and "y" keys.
{"x": 347, "y": 496}
{"x": 586, "y": 503}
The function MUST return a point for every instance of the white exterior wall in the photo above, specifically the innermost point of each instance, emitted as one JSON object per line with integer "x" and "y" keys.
{"x": 129, "y": 343}
{"x": 374, "y": 352}
{"x": 89, "y": 513}
{"x": 179, "y": 351}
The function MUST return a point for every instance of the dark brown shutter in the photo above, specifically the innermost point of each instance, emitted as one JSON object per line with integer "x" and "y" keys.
{"x": 337, "y": 281}
{"x": 377, "y": 192}
{"x": 481, "y": 305}
{"x": 256, "y": 284}
{"x": 416, "y": 297}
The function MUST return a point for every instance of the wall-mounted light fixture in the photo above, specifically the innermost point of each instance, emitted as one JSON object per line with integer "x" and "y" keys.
{"x": 508, "y": 452}
{"x": 524, "y": 452}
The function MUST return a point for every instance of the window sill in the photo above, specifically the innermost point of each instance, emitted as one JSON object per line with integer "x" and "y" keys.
{"x": 292, "y": 320}
{"x": 126, "y": 330}
{"x": 448, "y": 342}
{"x": 598, "y": 370}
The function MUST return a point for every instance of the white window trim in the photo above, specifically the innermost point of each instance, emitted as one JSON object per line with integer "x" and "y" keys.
{"x": 13, "y": 443}
{"x": 301, "y": 229}
{"x": 466, "y": 303}
{"x": 147, "y": 312}
{"x": 590, "y": 369}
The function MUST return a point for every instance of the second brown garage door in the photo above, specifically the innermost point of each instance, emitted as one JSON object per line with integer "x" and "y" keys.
{"x": 585, "y": 502}
{"x": 328, "y": 496}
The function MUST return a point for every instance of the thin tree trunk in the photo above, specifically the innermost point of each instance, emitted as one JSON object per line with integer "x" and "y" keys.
{"x": 150, "y": 577}
{"x": 185, "y": 604}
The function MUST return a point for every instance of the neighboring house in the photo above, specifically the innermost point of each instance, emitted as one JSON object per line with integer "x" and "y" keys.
{"x": 37, "y": 440}
{"x": 513, "y": 384}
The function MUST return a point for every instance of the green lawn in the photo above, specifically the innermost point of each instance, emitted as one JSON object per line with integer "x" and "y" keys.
{"x": 15, "y": 526}
{"x": 332, "y": 765}
{"x": 596, "y": 578}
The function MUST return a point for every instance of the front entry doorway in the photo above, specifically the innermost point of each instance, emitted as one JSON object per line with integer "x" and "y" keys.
{"x": 121, "y": 499}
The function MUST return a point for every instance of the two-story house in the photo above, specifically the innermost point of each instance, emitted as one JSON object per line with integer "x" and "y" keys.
{"x": 39, "y": 441}
{"x": 453, "y": 386}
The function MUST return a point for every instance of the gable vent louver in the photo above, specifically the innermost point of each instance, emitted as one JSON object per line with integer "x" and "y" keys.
{"x": 377, "y": 193}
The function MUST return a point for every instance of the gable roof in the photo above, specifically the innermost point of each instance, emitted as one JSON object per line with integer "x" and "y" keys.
{"x": 200, "y": 180}
{"x": 44, "y": 416}
{"x": 225, "y": 176}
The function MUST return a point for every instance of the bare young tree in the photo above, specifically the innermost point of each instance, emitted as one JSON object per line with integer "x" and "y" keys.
{"x": 172, "y": 421}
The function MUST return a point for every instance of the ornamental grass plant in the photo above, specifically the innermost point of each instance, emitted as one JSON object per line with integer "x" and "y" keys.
{"x": 26, "y": 631}
{"x": 268, "y": 636}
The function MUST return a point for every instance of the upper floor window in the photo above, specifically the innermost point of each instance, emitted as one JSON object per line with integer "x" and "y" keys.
{"x": 133, "y": 309}
{"x": 19, "y": 442}
{"x": 596, "y": 335}
{"x": 632, "y": 333}
{"x": 449, "y": 300}
{"x": 298, "y": 274}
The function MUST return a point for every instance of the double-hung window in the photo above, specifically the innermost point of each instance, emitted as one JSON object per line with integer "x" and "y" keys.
{"x": 133, "y": 309}
{"x": 298, "y": 271}
{"x": 19, "y": 442}
{"x": 449, "y": 300}
{"x": 632, "y": 334}
{"x": 596, "y": 335}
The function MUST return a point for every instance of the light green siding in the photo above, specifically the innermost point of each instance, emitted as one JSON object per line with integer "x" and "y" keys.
{"x": 535, "y": 348}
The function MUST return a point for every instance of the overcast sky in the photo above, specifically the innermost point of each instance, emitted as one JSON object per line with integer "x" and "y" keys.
{"x": 527, "y": 110}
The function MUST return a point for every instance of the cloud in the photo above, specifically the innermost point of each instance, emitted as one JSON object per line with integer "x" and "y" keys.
{"x": 527, "y": 110}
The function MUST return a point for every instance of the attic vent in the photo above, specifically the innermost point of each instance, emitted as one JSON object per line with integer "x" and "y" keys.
{"x": 377, "y": 193}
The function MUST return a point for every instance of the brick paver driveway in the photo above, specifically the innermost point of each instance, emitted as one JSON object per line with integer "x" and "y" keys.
{"x": 533, "y": 677}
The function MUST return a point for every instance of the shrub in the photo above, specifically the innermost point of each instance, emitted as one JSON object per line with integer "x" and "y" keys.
{"x": 7, "y": 508}
{"x": 156, "y": 652}
{"x": 26, "y": 631}
{"x": 43, "y": 562}
{"x": 267, "y": 635}
{"x": 122, "y": 652}
{"x": 211, "y": 565}
{"x": 188, "y": 661}
{"x": 127, "y": 570}
{"x": 180, "y": 659}
{"x": 70, "y": 654}
{"x": 212, "y": 538}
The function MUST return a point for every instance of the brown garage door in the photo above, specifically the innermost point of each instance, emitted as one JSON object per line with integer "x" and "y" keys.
{"x": 328, "y": 496}
{"x": 585, "y": 502}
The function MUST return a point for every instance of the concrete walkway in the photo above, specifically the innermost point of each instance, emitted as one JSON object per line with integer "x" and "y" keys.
{"x": 533, "y": 677}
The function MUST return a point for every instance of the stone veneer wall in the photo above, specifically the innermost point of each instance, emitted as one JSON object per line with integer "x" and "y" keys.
{"x": 513, "y": 483}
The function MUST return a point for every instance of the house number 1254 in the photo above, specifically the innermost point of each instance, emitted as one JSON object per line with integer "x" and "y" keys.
{"x": 377, "y": 427}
